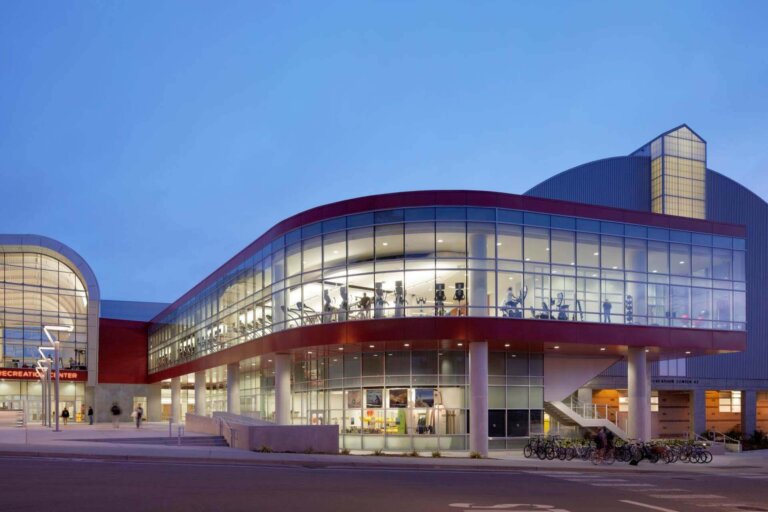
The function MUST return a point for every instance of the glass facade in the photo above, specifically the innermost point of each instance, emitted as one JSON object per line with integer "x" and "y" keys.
{"x": 456, "y": 261}
{"x": 678, "y": 174}
{"x": 38, "y": 290}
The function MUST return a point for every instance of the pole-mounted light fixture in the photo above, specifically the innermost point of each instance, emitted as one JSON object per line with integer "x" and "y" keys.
{"x": 48, "y": 329}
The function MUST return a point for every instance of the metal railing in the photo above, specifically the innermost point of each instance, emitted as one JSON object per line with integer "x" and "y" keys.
{"x": 713, "y": 436}
{"x": 592, "y": 411}
{"x": 227, "y": 432}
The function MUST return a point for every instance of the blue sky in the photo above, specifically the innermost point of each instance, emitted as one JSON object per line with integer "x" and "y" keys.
{"x": 159, "y": 138}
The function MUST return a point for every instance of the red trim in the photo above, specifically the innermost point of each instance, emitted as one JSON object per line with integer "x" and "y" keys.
{"x": 122, "y": 351}
{"x": 572, "y": 337}
{"x": 430, "y": 198}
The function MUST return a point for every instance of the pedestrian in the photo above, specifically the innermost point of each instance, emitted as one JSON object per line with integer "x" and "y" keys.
{"x": 90, "y": 415}
{"x": 609, "y": 439}
{"x": 599, "y": 440}
{"x": 115, "y": 410}
{"x": 65, "y": 414}
{"x": 139, "y": 413}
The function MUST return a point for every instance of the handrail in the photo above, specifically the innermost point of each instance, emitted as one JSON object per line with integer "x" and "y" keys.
{"x": 717, "y": 437}
{"x": 232, "y": 438}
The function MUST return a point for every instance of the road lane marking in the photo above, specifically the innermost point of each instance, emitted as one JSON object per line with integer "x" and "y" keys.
{"x": 648, "y": 506}
{"x": 688, "y": 496}
{"x": 622, "y": 485}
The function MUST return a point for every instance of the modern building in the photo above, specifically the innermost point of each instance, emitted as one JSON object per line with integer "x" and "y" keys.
{"x": 624, "y": 293}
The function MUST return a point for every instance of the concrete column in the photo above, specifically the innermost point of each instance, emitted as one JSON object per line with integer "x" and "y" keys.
{"x": 233, "y": 388}
{"x": 584, "y": 395}
{"x": 698, "y": 408}
{"x": 176, "y": 399}
{"x": 200, "y": 406}
{"x": 283, "y": 389}
{"x": 478, "y": 392}
{"x": 639, "y": 395}
{"x": 155, "y": 402}
{"x": 748, "y": 412}
{"x": 478, "y": 279}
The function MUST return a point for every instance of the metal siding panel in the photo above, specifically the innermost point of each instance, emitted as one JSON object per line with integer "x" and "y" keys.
{"x": 624, "y": 182}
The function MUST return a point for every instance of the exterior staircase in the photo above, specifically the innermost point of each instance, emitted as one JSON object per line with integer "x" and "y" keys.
{"x": 576, "y": 414}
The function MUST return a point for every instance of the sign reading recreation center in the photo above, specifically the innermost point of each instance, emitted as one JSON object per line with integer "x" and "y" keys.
{"x": 29, "y": 373}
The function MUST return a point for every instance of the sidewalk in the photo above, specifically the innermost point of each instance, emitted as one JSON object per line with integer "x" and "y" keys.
{"x": 103, "y": 442}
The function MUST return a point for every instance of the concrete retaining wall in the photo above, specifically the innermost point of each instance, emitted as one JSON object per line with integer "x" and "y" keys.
{"x": 275, "y": 438}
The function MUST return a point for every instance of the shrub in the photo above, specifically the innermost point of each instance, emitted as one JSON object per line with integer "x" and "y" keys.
{"x": 265, "y": 449}
{"x": 345, "y": 451}
{"x": 475, "y": 455}
{"x": 413, "y": 453}
{"x": 436, "y": 455}
{"x": 378, "y": 452}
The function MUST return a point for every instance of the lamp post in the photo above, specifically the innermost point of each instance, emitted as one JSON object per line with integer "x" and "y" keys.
{"x": 48, "y": 329}
{"x": 43, "y": 371}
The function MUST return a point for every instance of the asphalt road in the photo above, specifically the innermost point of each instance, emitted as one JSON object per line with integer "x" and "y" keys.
{"x": 96, "y": 485}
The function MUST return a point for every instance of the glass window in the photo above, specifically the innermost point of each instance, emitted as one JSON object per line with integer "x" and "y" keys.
{"x": 701, "y": 262}
{"x": 563, "y": 247}
{"x": 293, "y": 259}
{"x": 312, "y": 259}
{"x": 657, "y": 303}
{"x": 335, "y": 249}
{"x": 658, "y": 258}
{"x": 679, "y": 306}
{"x": 481, "y": 239}
{"x": 509, "y": 243}
{"x": 701, "y": 305}
{"x": 680, "y": 257}
{"x": 635, "y": 303}
{"x": 536, "y": 244}
{"x": 721, "y": 309}
{"x": 420, "y": 240}
{"x": 635, "y": 255}
{"x": 451, "y": 240}
{"x": 587, "y": 250}
{"x": 389, "y": 241}
{"x": 424, "y": 362}
{"x": 360, "y": 245}
{"x": 416, "y": 214}
{"x": 611, "y": 252}
{"x": 721, "y": 264}
{"x": 739, "y": 266}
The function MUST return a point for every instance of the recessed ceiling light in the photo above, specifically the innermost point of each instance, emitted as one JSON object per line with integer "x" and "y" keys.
{"x": 547, "y": 248}
{"x": 682, "y": 262}
{"x": 498, "y": 243}
{"x": 506, "y": 345}
{"x": 602, "y": 349}
{"x": 595, "y": 254}
{"x": 461, "y": 344}
{"x": 335, "y": 252}
{"x": 385, "y": 244}
{"x": 614, "y": 267}
{"x": 371, "y": 346}
{"x": 654, "y": 271}
{"x": 310, "y": 353}
{"x": 687, "y": 351}
{"x": 647, "y": 350}
{"x": 440, "y": 240}
{"x": 554, "y": 271}
{"x": 573, "y": 263}
{"x": 557, "y": 347}
{"x": 341, "y": 348}
{"x": 406, "y": 344}
{"x": 269, "y": 360}
{"x": 527, "y": 259}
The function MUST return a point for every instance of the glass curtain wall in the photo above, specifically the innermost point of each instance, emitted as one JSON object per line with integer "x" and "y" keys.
{"x": 38, "y": 290}
{"x": 400, "y": 399}
{"x": 480, "y": 262}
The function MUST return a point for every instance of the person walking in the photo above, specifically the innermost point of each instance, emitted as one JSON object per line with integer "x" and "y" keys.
{"x": 65, "y": 414}
{"x": 139, "y": 413}
{"x": 115, "y": 410}
{"x": 90, "y": 415}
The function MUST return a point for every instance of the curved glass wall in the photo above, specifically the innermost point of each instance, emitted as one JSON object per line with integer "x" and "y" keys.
{"x": 38, "y": 290}
{"x": 451, "y": 261}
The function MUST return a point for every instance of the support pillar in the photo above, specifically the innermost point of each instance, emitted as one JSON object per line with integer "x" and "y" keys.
{"x": 233, "y": 388}
{"x": 698, "y": 410}
{"x": 478, "y": 279}
{"x": 176, "y": 399}
{"x": 748, "y": 412}
{"x": 283, "y": 389}
{"x": 639, "y": 395}
{"x": 200, "y": 406}
{"x": 584, "y": 395}
{"x": 478, "y": 405}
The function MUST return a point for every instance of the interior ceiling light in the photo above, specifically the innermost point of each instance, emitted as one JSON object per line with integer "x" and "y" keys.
{"x": 595, "y": 254}
{"x": 440, "y": 241}
{"x": 406, "y": 344}
{"x": 602, "y": 349}
{"x": 506, "y": 345}
{"x": 557, "y": 347}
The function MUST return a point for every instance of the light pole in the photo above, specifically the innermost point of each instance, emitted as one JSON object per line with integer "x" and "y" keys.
{"x": 43, "y": 371}
{"x": 48, "y": 329}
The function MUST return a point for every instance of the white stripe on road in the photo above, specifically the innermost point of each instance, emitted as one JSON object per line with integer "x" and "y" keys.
{"x": 646, "y": 505}
{"x": 688, "y": 496}
{"x": 622, "y": 485}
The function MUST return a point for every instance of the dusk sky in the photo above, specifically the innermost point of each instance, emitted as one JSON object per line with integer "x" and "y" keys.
{"x": 159, "y": 138}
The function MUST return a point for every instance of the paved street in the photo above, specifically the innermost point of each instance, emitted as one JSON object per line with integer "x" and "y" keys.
{"x": 31, "y": 483}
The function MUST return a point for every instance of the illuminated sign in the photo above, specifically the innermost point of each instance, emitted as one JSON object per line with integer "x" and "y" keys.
{"x": 31, "y": 374}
